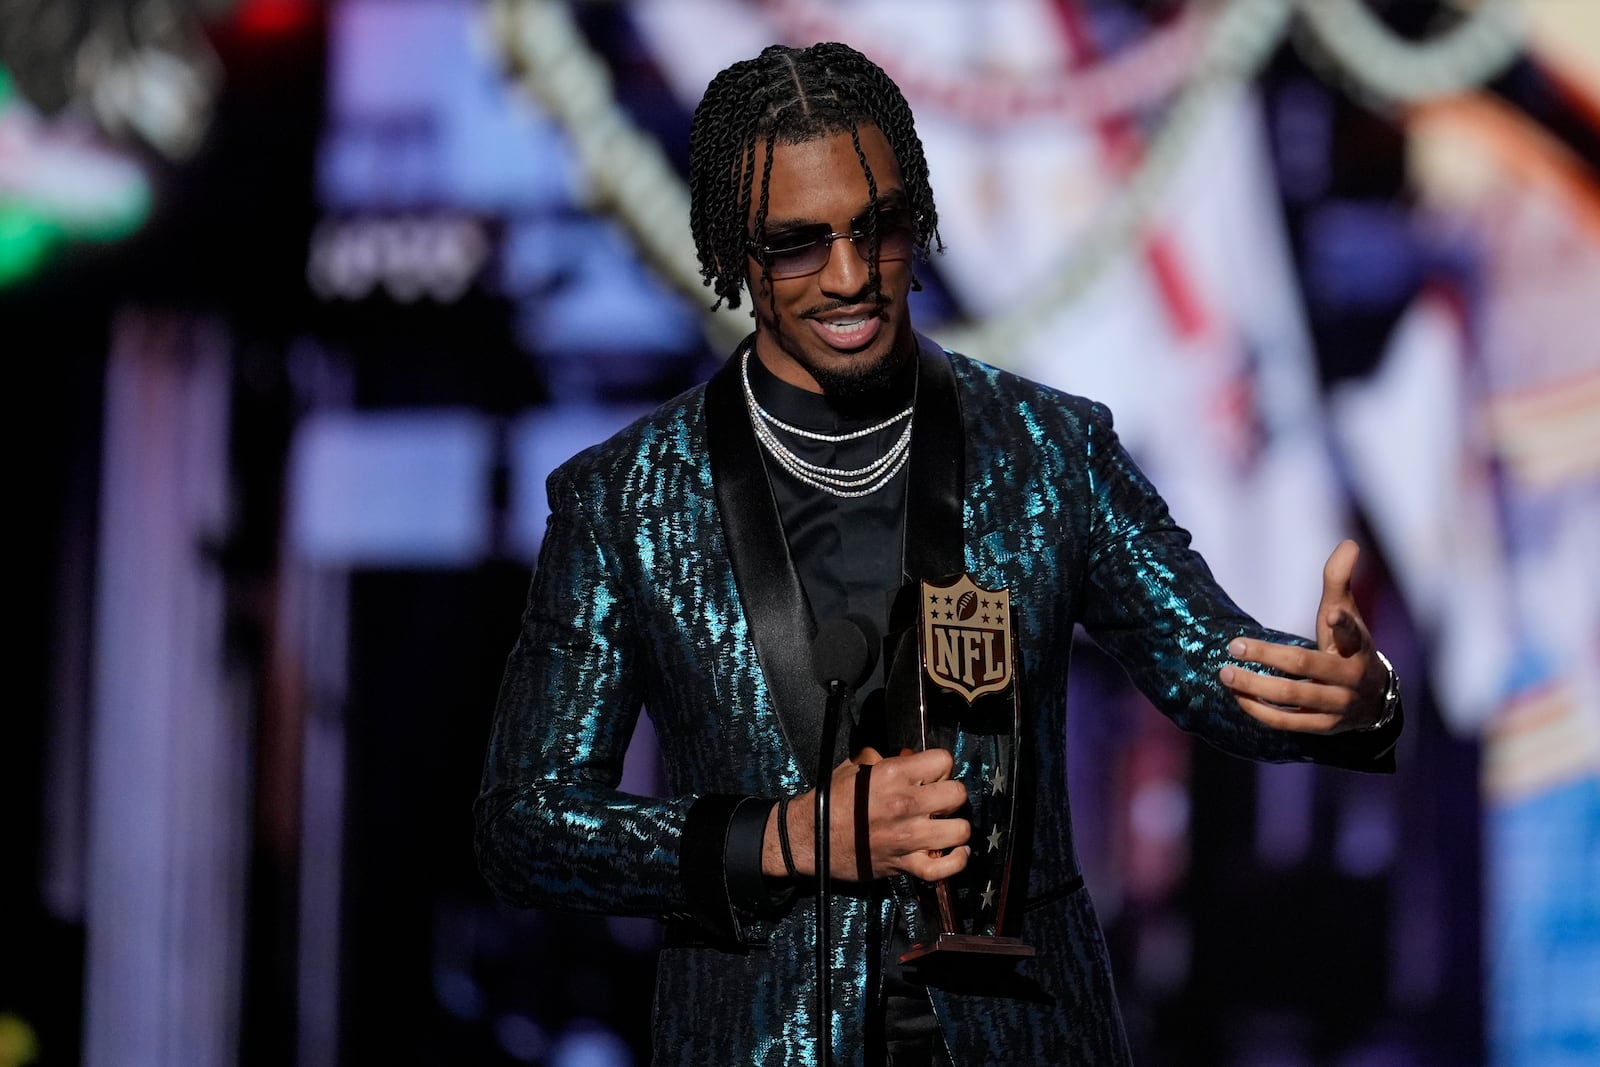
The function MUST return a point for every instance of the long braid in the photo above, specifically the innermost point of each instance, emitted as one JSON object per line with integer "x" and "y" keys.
{"x": 761, "y": 231}
{"x": 788, "y": 96}
{"x": 872, "y": 216}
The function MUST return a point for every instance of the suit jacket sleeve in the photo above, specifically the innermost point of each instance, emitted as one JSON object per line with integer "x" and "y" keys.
{"x": 1152, "y": 603}
{"x": 552, "y": 827}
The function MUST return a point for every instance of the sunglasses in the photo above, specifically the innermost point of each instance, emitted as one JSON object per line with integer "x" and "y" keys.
{"x": 805, "y": 249}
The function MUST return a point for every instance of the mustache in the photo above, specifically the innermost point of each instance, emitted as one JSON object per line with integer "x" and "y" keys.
{"x": 874, "y": 304}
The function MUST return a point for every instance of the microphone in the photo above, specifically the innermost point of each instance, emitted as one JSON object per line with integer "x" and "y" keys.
{"x": 842, "y": 657}
{"x": 845, "y": 651}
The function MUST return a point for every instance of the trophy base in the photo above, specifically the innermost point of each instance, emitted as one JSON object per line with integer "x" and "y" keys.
{"x": 951, "y": 945}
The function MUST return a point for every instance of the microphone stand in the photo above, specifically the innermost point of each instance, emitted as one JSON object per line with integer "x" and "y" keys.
{"x": 838, "y": 694}
{"x": 842, "y": 655}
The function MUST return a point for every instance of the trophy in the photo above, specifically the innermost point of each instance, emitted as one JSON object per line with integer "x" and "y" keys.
{"x": 952, "y": 672}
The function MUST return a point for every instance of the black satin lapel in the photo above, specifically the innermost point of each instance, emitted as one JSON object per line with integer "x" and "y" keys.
{"x": 769, "y": 586}
{"x": 936, "y": 486}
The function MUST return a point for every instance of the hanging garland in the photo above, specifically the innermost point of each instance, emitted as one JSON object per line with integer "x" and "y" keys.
{"x": 1242, "y": 38}
{"x": 1384, "y": 68}
{"x": 629, "y": 176}
{"x": 1133, "y": 79}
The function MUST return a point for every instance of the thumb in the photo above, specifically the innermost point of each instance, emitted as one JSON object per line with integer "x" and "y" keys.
{"x": 1346, "y": 635}
{"x": 1334, "y": 613}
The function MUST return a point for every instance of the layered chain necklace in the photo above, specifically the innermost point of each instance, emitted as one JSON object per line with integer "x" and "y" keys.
{"x": 862, "y": 481}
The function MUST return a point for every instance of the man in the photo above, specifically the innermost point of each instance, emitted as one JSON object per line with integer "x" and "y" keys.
{"x": 837, "y": 456}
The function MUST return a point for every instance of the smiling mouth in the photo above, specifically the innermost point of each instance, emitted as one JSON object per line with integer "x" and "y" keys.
{"x": 848, "y": 334}
{"x": 848, "y": 326}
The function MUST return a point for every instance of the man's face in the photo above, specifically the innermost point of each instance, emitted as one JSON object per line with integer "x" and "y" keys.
{"x": 828, "y": 331}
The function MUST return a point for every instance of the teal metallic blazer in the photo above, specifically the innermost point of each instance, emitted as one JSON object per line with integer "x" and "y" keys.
{"x": 664, "y": 583}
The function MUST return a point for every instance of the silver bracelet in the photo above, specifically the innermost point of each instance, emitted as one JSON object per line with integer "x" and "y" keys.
{"x": 1391, "y": 694}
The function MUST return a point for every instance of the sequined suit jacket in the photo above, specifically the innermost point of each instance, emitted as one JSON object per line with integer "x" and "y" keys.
{"x": 664, "y": 583}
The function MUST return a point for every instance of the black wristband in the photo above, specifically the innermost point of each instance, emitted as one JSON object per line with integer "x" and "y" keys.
{"x": 783, "y": 837}
{"x": 863, "y": 824}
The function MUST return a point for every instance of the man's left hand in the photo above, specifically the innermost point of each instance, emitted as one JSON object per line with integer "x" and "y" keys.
{"x": 1337, "y": 686}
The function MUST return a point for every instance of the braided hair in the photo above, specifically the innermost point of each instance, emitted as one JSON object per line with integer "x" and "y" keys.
{"x": 790, "y": 96}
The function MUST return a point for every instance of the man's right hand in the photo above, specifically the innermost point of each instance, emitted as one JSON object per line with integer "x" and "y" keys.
{"x": 907, "y": 795}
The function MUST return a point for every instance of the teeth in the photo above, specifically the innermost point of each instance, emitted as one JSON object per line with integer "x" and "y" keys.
{"x": 844, "y": 327}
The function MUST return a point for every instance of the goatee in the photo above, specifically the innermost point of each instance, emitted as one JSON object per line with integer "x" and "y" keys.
{"x": 869, "y": 380}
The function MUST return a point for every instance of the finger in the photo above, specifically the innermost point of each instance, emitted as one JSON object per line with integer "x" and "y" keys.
{"x": 1296, "y": 661}
{"x": 949, "y": 833}
{"x": 916, "y": 802}
{"x": 933, "y": 868}
{"x": 1308, "y": 722}
{"x": 868, "y": 756}
{"x": 897, "y": 840}
{"x": 937, "y": 835}
{"x": 929, "y": 765}
{"x": 1288, "y": 692}
{"x": 940, "y": 798}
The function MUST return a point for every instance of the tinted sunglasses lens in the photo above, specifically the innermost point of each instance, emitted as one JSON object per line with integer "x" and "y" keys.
{"x": 897, "y": 238}
{"x": 798, "y": 256}
{"x": 804, "y": 253}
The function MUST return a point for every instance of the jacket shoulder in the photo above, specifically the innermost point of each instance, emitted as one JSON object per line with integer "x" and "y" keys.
{"x": 995, "y": 400}
{"x": 673, "y": 433}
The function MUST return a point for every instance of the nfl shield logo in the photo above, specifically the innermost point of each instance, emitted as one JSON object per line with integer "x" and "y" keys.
{"x": 966, "y": 637}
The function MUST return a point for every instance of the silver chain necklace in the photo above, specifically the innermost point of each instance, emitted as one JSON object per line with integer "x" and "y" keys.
{"x": 862, "y": 481}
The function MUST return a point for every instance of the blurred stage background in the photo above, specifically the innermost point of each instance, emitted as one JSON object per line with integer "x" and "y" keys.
{"x": 301, "y": 302}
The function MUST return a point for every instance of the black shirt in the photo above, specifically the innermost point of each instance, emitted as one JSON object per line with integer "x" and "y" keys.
{"x": 847, "y": 550}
